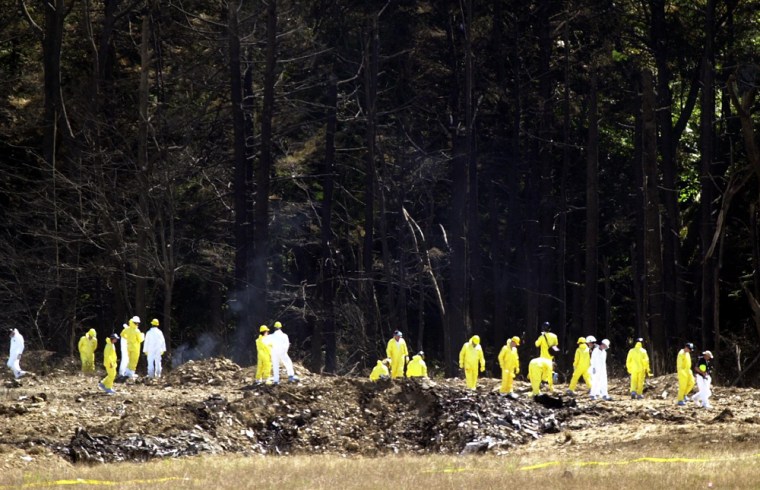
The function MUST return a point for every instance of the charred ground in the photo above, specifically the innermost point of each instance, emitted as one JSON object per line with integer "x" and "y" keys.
{"x": 58, "y": 416}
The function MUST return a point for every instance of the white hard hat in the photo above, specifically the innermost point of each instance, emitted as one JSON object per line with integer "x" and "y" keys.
{"x": 136, "y": 319}
{"x": 606, "y": 342}
{"x": 590, "y": 339}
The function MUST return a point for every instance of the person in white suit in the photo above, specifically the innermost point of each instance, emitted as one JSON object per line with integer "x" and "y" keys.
{"x": 14, "y": 357}
{"x": 599, "y": 372}
{"x": 124, "y": 352}
{"x": 279, "y": 344}
{"x": 154, "y": 347}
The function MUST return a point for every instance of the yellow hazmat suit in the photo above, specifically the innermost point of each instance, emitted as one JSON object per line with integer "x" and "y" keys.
{"x": 509, "y": 362}
{"x": 109, "y": 361}
{"x": 637, "y": 364}
{"x": 398, "y": 354}
{"x": 263, "y": 356}
{"x": 470, "y": 357}
{"x": 87, "y": 345}
{"x": 380, "y": 371}
{"x": 134, "y": 338}
{"x": 416, "y": 367}
{"x": 685, "y": 376}
{"x": 539, "y": 369}
{"x": 548, "y": 342}
{"x": 581, "y": 365}
{"x": 545, "y": 342}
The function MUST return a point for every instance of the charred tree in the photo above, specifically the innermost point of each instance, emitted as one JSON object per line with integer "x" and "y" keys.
{"x": 652, "y": 239}
{"x": 709, "y": 191}
{"x": 259, "y": 278}
{"x": 241, "y": 191}
{"x": 591, "y": 287}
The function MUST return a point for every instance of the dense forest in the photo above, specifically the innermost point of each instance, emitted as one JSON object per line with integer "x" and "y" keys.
{"x": 445, "y": 168}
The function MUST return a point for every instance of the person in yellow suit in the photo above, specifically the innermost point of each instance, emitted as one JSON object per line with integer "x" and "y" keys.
{"x": 380, "y": 370}
{"x": 581, "y": 366}
{"x": 470, "y": 356}
{"x": 398, "y": 354}
{"x": 263, "y": 356}
{"x": 134, "y": 338}
{"x": 539, "y": 369}
{"x": 637, "y": 364}
{"x": 109, "y": 362}
{"x": 548, "y": 344}
{"x": 685, "y": 375}
{"x": 417, "y": 367}
{"x": 87, "y": 345}
{"x": 509, "y": 362}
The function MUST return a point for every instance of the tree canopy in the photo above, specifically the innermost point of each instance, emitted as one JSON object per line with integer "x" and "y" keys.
{"x": 350, "y": 168}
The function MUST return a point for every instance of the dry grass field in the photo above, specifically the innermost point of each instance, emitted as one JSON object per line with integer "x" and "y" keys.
{"x": 695, "y": 468}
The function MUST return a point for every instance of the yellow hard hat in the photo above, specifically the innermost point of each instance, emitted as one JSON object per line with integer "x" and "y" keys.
{"x": 475, "y": 339}
{"x": 154, "y": 322}
{"x": 277, "y": 325}
{"x": 581, "y": 340}
{"x": 516, "y": 340}
{"x": 263, "y": 329}
{"x": 92, "y": 333}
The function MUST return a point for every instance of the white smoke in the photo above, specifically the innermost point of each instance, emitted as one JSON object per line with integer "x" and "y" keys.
{"x": 207, "y": 345}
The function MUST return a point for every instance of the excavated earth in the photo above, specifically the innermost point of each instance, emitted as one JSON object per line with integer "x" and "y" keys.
{"x": 57, "y": 416}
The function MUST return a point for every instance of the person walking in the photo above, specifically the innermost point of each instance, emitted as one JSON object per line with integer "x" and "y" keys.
{"x": 637, "y": 364}
{"x": 109, "y": 362}
{"x": 154, "y": 347}
{"x": 581, "y": 366}
{"x": 470, "y": 357}
{"x": 686, "y": 380}
{"x": 87, "y": 345}
{"x": 279, "y": 344}
{"x": 539, "y": 370}
{"x": 509, "y": 362}
{"x": 398, "y": 354}
{"x": 704, "y": 380}
{"x": 263, "y": 356}
{"x": 14, "y": 356}
{"x": 417, "y": 367}
{"x": 599, "y": 372}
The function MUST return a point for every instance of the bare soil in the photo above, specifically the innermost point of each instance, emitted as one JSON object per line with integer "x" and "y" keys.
{"x": 58, "y": 416}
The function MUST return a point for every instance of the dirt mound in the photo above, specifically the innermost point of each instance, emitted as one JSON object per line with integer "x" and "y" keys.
{"x": 214, "y": 406}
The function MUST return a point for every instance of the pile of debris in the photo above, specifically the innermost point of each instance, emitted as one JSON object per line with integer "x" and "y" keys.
{"x": 214, "y": 405}
{"x": 85, "y": 448}
{"x": 212, "y": 372}
{"x": 361, "y": 417}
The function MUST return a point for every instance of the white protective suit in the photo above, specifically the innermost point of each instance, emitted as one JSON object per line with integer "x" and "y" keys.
{"x": 599, "y": 373}
{"x": 14, "y": 357}
{"x": 154, "y": 346}
{"x": 124, "y": 354}
{"x": 279, "y": 345}
{"x": 702, "y": 397}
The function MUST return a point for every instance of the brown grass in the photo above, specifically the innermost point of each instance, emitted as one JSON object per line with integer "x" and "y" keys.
{"x": 695, "y": 467}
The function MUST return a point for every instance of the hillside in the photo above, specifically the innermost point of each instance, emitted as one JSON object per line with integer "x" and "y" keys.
{"x": 59, "y": 417}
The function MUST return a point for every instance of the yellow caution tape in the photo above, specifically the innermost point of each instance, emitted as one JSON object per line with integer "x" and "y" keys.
{"x": 81, "y": 481}
{"x": 458, "y": 470}
{"x": 630, "y": 461}
{"x": 646, "y": 459}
